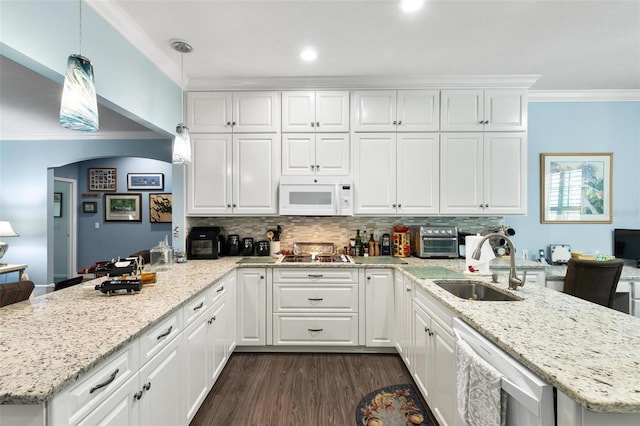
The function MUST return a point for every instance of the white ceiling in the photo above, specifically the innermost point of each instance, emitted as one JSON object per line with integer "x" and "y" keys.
{"x": 561, "y": 45}
{"x": 570, "y": 44}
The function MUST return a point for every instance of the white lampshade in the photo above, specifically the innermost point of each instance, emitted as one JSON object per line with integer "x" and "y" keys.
{"x": 6, "y": 230}
{"x": 79, "y": 106}
{"x": 182, "y": 145}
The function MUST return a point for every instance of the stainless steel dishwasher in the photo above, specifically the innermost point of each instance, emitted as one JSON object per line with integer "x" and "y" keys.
{"x": 530, "y": 399}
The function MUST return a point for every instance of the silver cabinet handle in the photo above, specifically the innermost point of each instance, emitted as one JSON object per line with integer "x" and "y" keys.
{"x": 165, "y": 334}
{"x": 106, "y": 382}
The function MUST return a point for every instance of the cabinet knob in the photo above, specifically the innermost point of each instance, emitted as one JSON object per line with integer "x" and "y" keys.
{"x": 228, "y": 123}
{"x": 234, "y": 206}
{"x": 228, "y": 206}
{"x": 137, "y": 395}
{"x": 393, "y": 205}
{"x": 147, "y": 386}
{"x": 399, "y": 122}
{"x": 317, "y": 124}
{"x": 262, "y": 277}
{"x": 313, "y": 167}
{"x": 408, "y": 289}
{"x": 395, "y": 122}
{"x": 369, "y": 277}
{"x": 233, "y": 123}
{"x": 399, "y": 205}
{"x": 313, "y": 124}
{"x": 317, "y": 167}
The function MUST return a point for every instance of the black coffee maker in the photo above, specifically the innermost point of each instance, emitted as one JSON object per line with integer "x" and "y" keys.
{"x": 233, "y": 245}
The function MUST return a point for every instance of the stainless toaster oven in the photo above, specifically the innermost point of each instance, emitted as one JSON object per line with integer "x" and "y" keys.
{"x": 435, "y": 242}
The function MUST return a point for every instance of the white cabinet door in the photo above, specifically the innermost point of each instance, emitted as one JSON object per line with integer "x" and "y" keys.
{"x": 461, "y": 110}
{"x": 399, "y": 326}
{"x": 418, "y": 111}
{"x": 308, "y": 111}
{"x": 209, "y": 175}
{"x": 257, "y": 112}
{"x": 483, "y": 110}
{"x": 375, "y": 173}
{"x": 374, "y": 111}
{"x": 443, "y": 375}
{"x": 421, "y": 349}
{"x": 196, "y": 362}
{"x": 505, "y": 173}
{"x": 256, "y": 168}
{"x": 209, "y": 112}
{"x": 379, "y": 303}
{"x": 332, "y": 154}
{"x": 315, "y": 154}
{"x": 298, "y": 111}
{"x": 461, "y": 171}
{"x": 158, "y": 380}
{"x": 505, "y": 110}
{"x": 252, "y": 307}
{"x": 217, "y": 338}
{"x": 332, "y": 111}
{"x": 418, "y": 173}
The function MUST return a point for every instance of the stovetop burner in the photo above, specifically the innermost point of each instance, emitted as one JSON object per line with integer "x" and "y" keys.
{"x": 320, "y": 258}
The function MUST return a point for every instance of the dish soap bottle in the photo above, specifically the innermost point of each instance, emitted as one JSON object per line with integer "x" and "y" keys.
{"x": 161, "y": 256}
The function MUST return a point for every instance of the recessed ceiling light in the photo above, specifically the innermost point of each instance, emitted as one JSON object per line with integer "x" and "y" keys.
{"x": 411, "y": 5}
{"x": 308, "y": 54}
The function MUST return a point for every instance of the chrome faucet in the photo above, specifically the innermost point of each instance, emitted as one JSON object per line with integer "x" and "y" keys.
{"x": 514, "y": 281}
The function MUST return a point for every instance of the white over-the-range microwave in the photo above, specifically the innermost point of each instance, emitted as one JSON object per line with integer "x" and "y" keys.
{"x": 316, "y": 196}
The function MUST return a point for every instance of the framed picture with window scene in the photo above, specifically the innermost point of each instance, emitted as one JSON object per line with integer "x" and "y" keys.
{"x": 576, "y": 187}
{"x": 123, "y": 207}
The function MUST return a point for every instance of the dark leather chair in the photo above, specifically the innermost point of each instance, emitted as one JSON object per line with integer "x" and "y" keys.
{"x": 593, "y": 280}
{"x": 15, "y": 292}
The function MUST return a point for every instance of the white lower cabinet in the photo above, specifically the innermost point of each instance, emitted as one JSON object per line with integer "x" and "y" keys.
{"x": 403, "y": 330}
{"x": 251, "y": 290}
{"x": 316, "y": 307}
{"x": 379, "y": 306}
{"x": 434, "y": 357}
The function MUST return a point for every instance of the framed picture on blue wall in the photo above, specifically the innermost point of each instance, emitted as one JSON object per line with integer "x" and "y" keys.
{"x": 576, "y": 188}
{"x": 103, "y": 179}
{"x": 145, "y": 181}
{"x": 123, "y": 207}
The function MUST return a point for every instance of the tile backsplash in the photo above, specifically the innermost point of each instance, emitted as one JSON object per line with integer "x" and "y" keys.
{"x": 334, "y": 229}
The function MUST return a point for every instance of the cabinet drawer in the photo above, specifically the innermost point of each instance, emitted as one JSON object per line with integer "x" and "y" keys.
{"x": 159, "y": 336}
{"x": 75, "y": 403}
{"x": 315, "y": 275}
{"x": 217, "y": 292}
{"x": 196, "y": 307}
{"x": 309, "y": 297}
{"x": 329, "y": 330}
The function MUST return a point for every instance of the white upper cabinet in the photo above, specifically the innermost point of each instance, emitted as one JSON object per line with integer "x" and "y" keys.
{"x": 237, "y": 112}
{"x": 483, "y": 110}
{"x": 483, "y": 173}
{"x": 233, "y": 174}
{"x": 315, "y": 154}
{"x": 309, "y": 111}
{"x": 396, "y": 173}
{"x": 396, "y": 111}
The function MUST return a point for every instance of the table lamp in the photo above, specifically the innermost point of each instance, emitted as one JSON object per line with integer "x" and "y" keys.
{"x": 5, "y": 231}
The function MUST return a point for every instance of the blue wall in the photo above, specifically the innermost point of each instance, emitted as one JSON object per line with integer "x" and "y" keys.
{"x": 41, "y": 34}
{"x": 26, "y": 182}
{"x": 113, "y": 239}
{"x": 582, "y": 127}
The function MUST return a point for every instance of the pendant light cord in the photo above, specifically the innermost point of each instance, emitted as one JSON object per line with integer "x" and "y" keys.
{"x": 80, "y": 26}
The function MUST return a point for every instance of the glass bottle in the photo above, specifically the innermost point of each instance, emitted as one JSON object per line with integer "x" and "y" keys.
{"x": 358, "y": 243}
{"x": 161, "y": 256}
{"x": 372, "y": 245}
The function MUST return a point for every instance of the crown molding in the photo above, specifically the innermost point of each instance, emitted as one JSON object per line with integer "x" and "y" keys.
{"x": 584, "y": 95}
{"x": 365, "y": 82}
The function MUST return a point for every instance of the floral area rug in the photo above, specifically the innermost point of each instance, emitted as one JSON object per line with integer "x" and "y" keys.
{"x": 397, "y": 405}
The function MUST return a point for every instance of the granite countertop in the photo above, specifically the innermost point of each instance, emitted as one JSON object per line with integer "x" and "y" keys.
{"x": 588, "y": 352}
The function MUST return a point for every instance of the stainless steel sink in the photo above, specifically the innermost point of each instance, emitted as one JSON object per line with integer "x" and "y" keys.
{"x": 475, "y": 290}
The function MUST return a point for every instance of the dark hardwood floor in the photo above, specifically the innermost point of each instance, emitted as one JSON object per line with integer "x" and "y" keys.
{"x": 297, "y": 389}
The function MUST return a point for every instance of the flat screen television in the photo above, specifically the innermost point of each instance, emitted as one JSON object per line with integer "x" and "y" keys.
{"x": 626, "y": 244}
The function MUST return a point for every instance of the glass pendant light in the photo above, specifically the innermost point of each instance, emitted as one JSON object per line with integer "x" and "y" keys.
{"x": 79, "y": 106}
{"x": 182, "y": 141}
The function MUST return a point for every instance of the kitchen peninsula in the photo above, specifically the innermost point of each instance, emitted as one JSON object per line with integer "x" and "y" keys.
{"x": 589, "y": 353}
